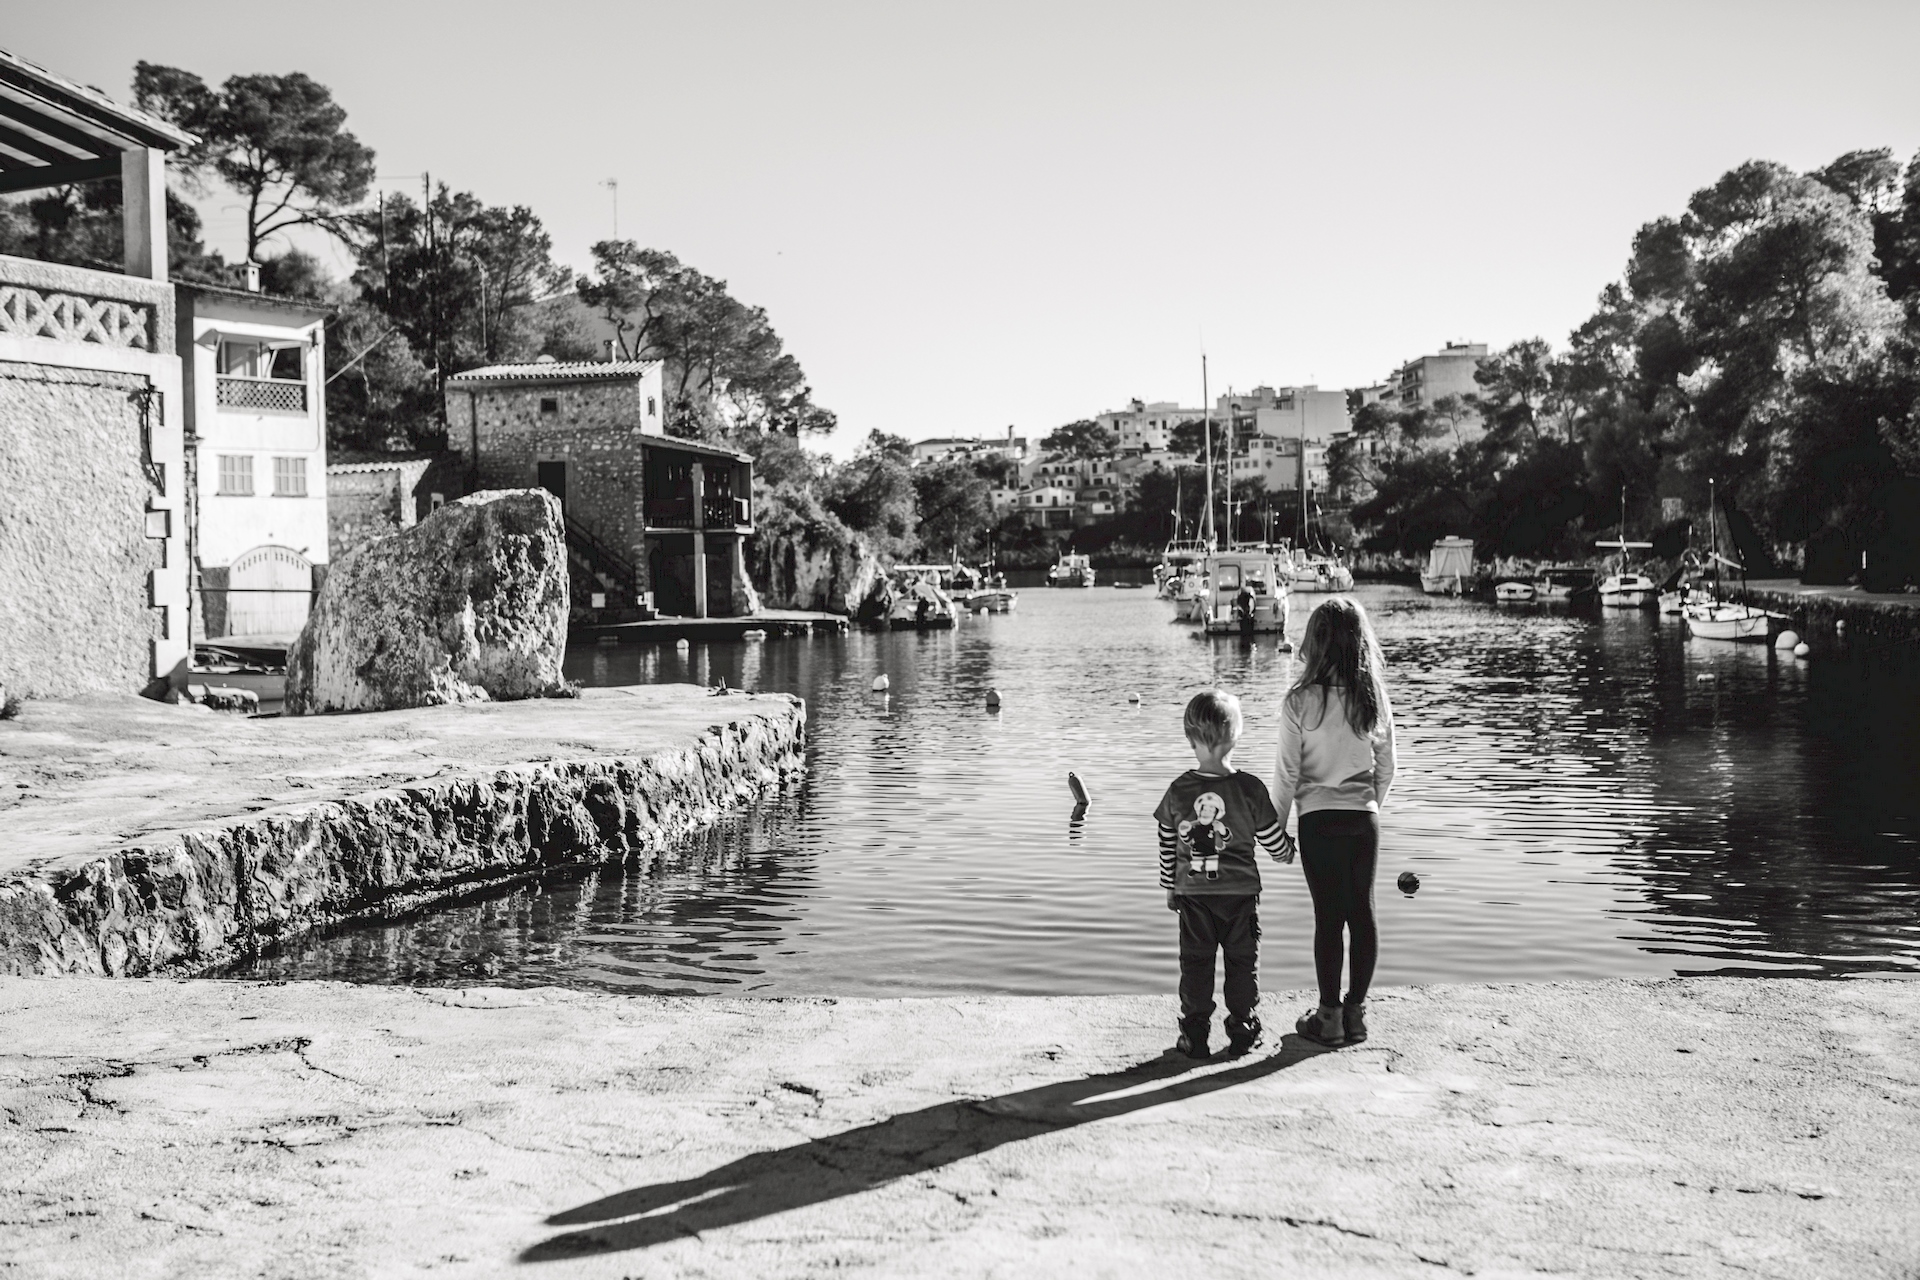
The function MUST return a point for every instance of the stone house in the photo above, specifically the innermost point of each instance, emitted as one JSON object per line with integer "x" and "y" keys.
{"x": 653, "y": 522}
{"x": 253, "y": 370}
{"x": 93, "y": 563}
{"x": 373, "y": 495}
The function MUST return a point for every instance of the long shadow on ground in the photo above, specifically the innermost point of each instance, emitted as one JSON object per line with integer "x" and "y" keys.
{"x": 845, "y": 1164}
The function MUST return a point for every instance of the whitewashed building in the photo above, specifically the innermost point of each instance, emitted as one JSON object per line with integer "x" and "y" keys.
{"x": 254, "y": 376}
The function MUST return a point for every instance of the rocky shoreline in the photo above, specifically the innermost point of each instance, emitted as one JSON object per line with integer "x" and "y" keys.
{"x": 1702, "y": 1127}
{"x": 148, "y": 839}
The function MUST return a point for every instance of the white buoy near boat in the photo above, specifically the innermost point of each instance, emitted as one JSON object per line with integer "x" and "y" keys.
{"x": 1133, "y": 698}
{"x": 1703, "y": 678}
{"x": 993, "y": 699}
{"x": 1802, "y": 649}
{"x": 881, "y": 684}
{"x": 1786, "y": 640}
{"x": 1077, "y": 787}
{"x": 683, "y": 644}
{"x": 1839, "y": 624}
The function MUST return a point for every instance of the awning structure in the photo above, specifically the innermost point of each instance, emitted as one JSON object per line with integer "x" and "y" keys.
{"x": 53, "y": 131}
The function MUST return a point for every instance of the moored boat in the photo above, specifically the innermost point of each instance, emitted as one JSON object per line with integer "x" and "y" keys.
{"x": 1724, "y": 620}
{"x": 920, "y": 605}
{"x": 1244, "y": 585}
{"x": 1310, "y": 572}
{"x": 1514, "y": 592}
{"x": 1629, "y": 591}
{"x": 1563, "y": 581}
{"x": 1449, "y": 570}
{"x": 1072, "y": 571}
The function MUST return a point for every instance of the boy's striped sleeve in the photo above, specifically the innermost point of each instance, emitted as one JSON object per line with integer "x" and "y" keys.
{"x": 1273, "y": 838}
{"x": 1169, "y": 849}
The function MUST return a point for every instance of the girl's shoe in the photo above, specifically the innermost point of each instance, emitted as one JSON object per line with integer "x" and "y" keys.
{"x": 1356, "y": 1020}
{"x": 1325, "y": 1025}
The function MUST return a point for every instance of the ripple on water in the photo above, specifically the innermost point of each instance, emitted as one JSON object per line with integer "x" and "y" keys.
{"x": 1577, "y": 803}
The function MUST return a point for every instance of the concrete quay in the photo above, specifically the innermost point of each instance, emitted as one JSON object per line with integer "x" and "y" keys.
{"x": 144, "y": 838}
{"x": 1688, "y": 1128}
{"x": 1872, "y": 616}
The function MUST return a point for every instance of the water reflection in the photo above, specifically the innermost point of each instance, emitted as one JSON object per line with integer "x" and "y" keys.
{"x": 1577, "y": 799}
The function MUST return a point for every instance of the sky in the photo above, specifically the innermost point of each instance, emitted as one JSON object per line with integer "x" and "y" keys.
{"x": 965, "y": 217}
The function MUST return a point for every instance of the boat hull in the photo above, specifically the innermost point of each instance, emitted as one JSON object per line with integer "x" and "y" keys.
{"x": 1515, "y": 592}
{"x": 1442, "y": 584}
{"x": 1735, "y": 625}
{"x": 990, "y": 602}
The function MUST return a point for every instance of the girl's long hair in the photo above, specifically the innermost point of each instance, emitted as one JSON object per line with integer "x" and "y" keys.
{"x": 1341, "y": 652}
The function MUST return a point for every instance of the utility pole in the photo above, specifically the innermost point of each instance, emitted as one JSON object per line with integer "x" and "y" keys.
{"x": 613, "y": 185}
{"x": 433, "y": 300}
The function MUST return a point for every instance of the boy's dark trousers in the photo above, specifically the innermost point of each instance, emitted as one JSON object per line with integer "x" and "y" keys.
{"x": 1218, "y": 922}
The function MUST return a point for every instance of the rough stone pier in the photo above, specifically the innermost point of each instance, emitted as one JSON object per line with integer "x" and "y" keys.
{"x": 140, "y": 838}
{"x": 1687, "y": 1128}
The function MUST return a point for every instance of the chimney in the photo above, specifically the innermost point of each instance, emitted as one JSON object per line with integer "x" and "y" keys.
{"x": 253, "y": 277}
{"x": 610, "y": 350}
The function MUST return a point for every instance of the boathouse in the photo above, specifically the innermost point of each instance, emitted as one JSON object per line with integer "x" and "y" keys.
{"x": 93, "y": 563}
{"x": 253, "y": 370}
{"x": 655, "y": 523}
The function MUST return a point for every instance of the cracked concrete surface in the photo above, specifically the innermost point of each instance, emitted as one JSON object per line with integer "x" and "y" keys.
{"x": 1706, "y": 1127}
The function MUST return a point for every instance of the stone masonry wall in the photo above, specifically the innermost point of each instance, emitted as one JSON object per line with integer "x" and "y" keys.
{"x": 75, "y": 558}
{"x": 595, "y": 431}
{"x": 196, "y": 899}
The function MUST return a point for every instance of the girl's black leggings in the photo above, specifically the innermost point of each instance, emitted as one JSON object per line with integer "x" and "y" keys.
{"x": 1338, "y": 849}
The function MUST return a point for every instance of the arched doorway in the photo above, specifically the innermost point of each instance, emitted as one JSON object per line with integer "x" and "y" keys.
{"x": 269, "y": 592}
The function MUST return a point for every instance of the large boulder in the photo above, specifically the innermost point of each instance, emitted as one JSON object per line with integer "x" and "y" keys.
{"x": 468, "y": 605}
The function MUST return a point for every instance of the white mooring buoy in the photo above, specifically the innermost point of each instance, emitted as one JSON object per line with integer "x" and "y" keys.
{"x": 1134, "y": 698}
{"x": 1802, "y": 649}
{"x": 993, "y": 699}
{"x": 1786, "y": 639}
{"x": 881, "y": 684}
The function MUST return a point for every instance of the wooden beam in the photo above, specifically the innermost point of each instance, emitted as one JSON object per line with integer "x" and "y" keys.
{"x": 28, "y": 145}
{"x": 143, "y": 208}
{"x": 81, "y": 135}
{"x": 58, "y": 175}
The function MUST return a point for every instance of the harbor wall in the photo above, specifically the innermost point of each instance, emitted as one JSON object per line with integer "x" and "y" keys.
{"x": 200, "y": 896}
{"x": 1887, "y": 619}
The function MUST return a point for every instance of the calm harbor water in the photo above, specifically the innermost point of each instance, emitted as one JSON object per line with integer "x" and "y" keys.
{"x": 1582, "y": 796}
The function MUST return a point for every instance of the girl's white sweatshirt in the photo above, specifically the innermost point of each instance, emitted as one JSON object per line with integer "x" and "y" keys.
{"x": 1323, "y": 763}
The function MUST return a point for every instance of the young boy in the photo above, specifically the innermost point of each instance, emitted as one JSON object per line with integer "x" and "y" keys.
{"x": 1210, "y": 819}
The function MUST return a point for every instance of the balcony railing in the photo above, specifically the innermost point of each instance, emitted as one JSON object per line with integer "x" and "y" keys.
{"x": 670, "y": 513}
{"x": 272, "y": 395}
{"x": 26, "y": 312}
{"x": 725, "y": 513}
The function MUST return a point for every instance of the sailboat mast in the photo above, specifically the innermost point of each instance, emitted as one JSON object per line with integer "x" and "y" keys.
{"x": 1623, "y": 528}
{"x": 1302, "y": 404}
{"x": 1713, "y": 533}
{"x": 1206, "y": 414}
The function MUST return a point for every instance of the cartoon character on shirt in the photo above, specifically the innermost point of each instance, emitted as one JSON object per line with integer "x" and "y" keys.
{"x": 1206, "y": 834}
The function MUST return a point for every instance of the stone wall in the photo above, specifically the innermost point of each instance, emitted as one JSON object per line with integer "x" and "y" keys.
{"x": 190, "y": 900}
{"x": 367, "y": 501}
{"x": 75, "y": 557}
{"x": 502, "y": 437}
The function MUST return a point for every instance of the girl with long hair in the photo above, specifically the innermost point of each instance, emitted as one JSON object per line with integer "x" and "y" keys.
{"x": 1336, "y": 762}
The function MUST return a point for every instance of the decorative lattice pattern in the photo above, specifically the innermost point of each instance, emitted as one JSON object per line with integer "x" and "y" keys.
{"x": 263, "y": 393}
{"x": 69, "y": 317}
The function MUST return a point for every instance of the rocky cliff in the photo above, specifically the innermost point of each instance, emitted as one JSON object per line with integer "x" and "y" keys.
{"x": 803, "y": 557}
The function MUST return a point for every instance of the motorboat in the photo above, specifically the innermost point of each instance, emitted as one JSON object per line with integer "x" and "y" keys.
{"x": 1514, "y": 592}
{"x": 1563, "y": 581}
{"x": 1449, "y": 570}
{"x": 1629, "y": 591}
{"x": 1180, "y": 555}
{"x": 978, "y": 590}
{"x": 1310, "y": 572}
{"x": 1072, "y": 571}
{"x": 1189, "y": 593}
{"x": 1244, "y": 583}
{"x": 920, "y": 605}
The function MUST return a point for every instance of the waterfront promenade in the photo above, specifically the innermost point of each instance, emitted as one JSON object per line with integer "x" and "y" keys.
{"x": 1686, "y": 1128}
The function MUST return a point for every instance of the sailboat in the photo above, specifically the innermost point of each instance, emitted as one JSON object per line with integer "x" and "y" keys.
{"x": 1625, "y": 589}
{"x": 1717, "y": 619}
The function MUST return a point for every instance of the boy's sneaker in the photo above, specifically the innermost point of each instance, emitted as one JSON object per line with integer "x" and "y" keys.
{"x": 1356, "y": 1021}
{"x": 1193, "y": 1041}
{"x": 1242, "y": 1036}
{"x": 1325, "y": 1025}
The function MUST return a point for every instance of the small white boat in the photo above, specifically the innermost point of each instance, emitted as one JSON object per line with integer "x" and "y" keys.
{"x": 1180, "y": 556}
{"x": 1256, "y": 576}
{"x": 1318, "y": 573}
{"x": 920, "y": 605}
{"x": 1719, "y": 620}
{"x": 1072, "y": 571}
{"x": 1629, "y": 591}
{"x": 1449, "y": 569}
{"x": 1514, "y": 592}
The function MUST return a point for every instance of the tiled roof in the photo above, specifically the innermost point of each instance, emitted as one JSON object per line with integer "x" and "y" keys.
{"x": 557, "y": 371}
